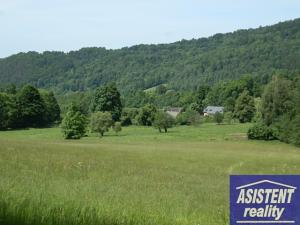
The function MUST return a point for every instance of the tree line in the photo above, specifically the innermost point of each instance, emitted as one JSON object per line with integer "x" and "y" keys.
{"x": 273, "y": 108}
{"x": 27, "y": 107}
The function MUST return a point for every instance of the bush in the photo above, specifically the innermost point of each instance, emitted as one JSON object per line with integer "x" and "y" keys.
{"x": 218, "y": 117}
{"x": 189, "y": 117}
{"x": 73, "y": 124}
{"x": 117, "y": 127}
{"x": 261, "y": 132}
{"x": 128, "y": 116}
{"x": 228, "y": 117}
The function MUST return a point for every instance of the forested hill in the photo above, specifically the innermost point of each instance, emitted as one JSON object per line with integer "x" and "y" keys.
{"x": 185, "y": 64}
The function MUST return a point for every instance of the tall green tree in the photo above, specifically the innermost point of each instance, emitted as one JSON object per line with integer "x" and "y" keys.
{"x": 31, "y": 107}
{"x": 74, "y": 123}
{"x": 163, "y": 121}
{"x": 277, "y": 99}
{"x": 52, "y": 107}
{"x": 244, "y": 107}
{"x": 107, "y": 99}
{"x": 200, "y": 96}
{"x": 100, "y": 122}
{"x": 146, "y": 115}
{"x": 4, "y": 111}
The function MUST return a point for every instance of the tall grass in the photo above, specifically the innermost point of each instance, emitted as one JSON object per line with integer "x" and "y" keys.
{"x": 139, "y": 177}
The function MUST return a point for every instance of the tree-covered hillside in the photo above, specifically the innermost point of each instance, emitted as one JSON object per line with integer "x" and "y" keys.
{"x": 182, "y": 65}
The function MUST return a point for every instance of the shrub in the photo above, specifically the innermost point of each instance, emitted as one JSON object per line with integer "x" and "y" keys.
{"x": 128, "y": 116}
{"x": 117, "y": 127}
{"x": 218, "y": 117}
{"x": 73, "y": 124}
{"x": 261, "y": 132}
{"x": 228, "y": 117}
{"x": 189, "y": 117}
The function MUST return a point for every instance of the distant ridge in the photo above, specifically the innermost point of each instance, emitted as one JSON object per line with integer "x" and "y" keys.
{"x": 181, "y": 65}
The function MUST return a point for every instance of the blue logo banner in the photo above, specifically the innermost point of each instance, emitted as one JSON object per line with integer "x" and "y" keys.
{"x": 264, "y": 199}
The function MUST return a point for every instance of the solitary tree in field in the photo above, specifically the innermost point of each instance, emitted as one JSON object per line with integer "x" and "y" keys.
{"x": 244, "y": 107}
{"x": 100, "y": 122}
{"x": 74, "y": 123}
{"x": 163, "y": 121}
{"x": 107, "y": 99}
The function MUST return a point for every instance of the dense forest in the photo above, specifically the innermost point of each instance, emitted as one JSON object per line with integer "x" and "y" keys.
{"x": 182, "y": 65}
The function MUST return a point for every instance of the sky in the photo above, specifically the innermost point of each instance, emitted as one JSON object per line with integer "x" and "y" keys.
{"x": 64, "y": 25}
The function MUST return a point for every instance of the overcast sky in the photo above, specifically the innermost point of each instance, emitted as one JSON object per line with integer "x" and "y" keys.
{"x": 39, "y": 25}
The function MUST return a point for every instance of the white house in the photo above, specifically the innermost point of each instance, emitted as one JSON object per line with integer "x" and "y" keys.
{"x": 212, "y": 110}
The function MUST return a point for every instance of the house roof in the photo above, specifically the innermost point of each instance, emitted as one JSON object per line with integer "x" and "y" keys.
{"x": 265, "y": 181}
{"x": 213, "y": 109}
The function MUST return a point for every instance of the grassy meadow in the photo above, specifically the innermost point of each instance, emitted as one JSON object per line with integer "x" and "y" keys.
{"x": 139, "y": 177}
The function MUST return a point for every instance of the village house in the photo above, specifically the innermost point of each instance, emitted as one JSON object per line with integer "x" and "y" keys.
{"x": 212, "y": 110}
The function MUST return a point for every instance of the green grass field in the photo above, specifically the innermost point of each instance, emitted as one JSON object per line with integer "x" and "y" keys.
{"x": 138, "y": 177}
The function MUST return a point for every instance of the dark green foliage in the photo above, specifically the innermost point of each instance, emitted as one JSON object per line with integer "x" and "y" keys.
{"x": 189, "y": 117}
{"x": 287, "y": 118}
{"x": 161, "y": 89}
{"x": 107, "y": 99}
{"x": 182, "y": 65}
{"x": 295, "y": 130}
{"x": 244, "y": 108}
{"x": 52, "y": 107}
{"x": 81, "y": 99}
{"x": 100, "y": 122}
{"x": 11, "y": 89}
{"x": 261, "y": 132}
{"x": 280, "y": 110}
{"x": 74, "y": 123}
{"x": 128, "y": 116}
{"x": 200, "y": 96}
{"x": 228, "y": 117}
{"x": 226, "y": 93}
{"x": 277, "y": 99}
{"x": 31, "y": 108}
{"x": 146, "y": 115}
{"x": 163, "y": 121}
{"x": 4, "y": 111}
{"x": 229, "y": 104}
{"x": 218, "y": 117}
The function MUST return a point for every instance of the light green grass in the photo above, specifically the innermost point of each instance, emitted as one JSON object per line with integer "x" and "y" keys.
{"x": 138, "y": 177}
